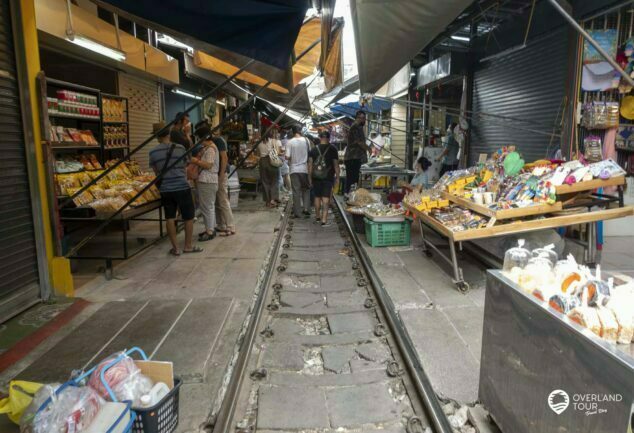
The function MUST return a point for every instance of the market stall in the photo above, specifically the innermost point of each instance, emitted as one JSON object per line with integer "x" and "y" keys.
{"x": 503, "y": 197}
{"x": 557, "y": 346}
{"x": 86, "y": 132}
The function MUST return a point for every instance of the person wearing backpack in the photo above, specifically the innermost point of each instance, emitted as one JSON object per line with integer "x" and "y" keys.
{"x": 323, "y": 173}
{"x": 297, "y": 150}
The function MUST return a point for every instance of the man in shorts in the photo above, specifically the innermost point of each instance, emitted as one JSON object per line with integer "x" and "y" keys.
{"x": 323, "y": 174}
{"x": 176, "y": 194}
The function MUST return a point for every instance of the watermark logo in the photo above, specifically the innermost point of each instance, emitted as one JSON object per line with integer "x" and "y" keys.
{"x": 558, "y": 401}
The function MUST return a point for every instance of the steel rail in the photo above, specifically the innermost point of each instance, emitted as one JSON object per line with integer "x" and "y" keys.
{"x": 224, "y": 416}
{"x": 399, "y": 332}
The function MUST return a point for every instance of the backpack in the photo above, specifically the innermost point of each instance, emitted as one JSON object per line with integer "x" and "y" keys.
{"x": 320, "y": 168}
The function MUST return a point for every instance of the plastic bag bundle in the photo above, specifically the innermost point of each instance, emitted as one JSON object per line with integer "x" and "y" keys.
{"x": 124, "y": 378}
{"x": 70, "y": 411}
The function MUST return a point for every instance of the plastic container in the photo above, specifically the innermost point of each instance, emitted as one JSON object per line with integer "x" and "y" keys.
{"x": 160, "y": 418}
{"x": 234, "y": 197}
{"x": 387, "y": 234}
{"x": 158, "y": 391}
{"x": 516, "y": 257}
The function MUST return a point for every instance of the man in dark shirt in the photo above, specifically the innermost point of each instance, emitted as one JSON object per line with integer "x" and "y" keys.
{"x": 323, "y": 174}
{"x": 175, "y": 191}
{"x": 182, "y": 130}
{"x": 356, "y": 151}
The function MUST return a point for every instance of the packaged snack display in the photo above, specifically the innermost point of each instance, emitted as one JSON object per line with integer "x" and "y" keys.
{"x": 579, "y": 293}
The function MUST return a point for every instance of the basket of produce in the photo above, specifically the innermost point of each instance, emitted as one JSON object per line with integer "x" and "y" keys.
{"x": 363, "y": 197}
{"x": 380, "y": 212}
{"x": 387, "y": 234}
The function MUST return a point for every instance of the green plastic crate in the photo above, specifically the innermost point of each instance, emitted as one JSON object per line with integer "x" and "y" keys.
{"x": 387, "y": 234}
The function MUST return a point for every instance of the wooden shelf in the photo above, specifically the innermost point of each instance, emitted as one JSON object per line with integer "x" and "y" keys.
{"x": 524, "y": 226}
{"x": 73, "y": 145}
{"x": 590, "y": 185}
{"x": 501, "y": 214}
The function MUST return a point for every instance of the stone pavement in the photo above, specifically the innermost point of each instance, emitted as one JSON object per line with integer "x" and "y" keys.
{"x": 188, "y": 310}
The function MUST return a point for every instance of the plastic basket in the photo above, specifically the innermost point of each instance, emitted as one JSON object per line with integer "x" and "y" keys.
{"x": 358, "y": 223}
{"x": 384, "y": 234}
{"x": 160, "y": 418}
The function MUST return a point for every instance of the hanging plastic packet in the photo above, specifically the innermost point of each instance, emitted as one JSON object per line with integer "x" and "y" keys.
{"x": 548, "y": 251}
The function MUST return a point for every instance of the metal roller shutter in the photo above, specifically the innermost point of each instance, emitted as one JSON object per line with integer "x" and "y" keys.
{"x": 143, "y": 112}
{"x": 19, "y": 278}
{"x": 529, "y": 84}
{"x": 399, "y": 116}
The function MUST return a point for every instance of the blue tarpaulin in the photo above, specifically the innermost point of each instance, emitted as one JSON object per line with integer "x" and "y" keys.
{"x": 351, "y": 108}
{"x": 264, "y": 30}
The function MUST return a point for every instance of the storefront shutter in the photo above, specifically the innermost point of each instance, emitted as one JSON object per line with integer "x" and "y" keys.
{"x": 143, "y": 112}
{"x": 528, "y": 84}
{"x": 19, "y": 279}
{"x": 399, "y": 116}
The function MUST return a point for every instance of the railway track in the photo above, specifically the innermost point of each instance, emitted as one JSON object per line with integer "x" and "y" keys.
{"x": 324, "y": 349}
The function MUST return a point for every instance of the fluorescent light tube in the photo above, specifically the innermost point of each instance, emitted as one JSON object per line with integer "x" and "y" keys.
{"x": 221, "y": 103}
{"x": 184, "y": 93}
{"x": 97, "y": 47}
{"x": 460, "y": 38}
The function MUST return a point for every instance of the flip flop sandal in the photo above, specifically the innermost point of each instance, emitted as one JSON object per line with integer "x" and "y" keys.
{"x": 193, "y": 250}
{"x": 175, "y": 252}
{"x": 206, "y": 237}
{"x": 227, "y": 234}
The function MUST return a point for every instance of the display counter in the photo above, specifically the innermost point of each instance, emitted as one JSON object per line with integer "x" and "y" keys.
{"x": 530, "y": 353}
{"x": 511, "y": 228}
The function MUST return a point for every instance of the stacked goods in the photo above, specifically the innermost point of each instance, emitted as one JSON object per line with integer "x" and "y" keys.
{"x": 110, "y": 193}
{"x": 574, "y": 291}
{"x": 74, "y": 104}
{"x": 115, "y": 136}
{"x": 114, "y": 110}
{"x": 458, "y": 219}
{"x": 72, "y": 164}
{"x": 59, "y": 134}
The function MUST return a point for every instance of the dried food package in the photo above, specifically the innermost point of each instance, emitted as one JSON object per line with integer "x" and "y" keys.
{"x": 516, "y": 257}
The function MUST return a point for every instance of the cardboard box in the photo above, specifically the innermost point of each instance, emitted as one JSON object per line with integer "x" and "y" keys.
{"x": 158, "y": 371}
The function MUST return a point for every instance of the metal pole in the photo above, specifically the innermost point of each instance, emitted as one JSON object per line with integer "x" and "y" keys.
{"x": 591, "y": 41}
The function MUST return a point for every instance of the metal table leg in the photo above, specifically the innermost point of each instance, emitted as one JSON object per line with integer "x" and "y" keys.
{"x": 458, "y": 279}
{"x": 591, "y": 249}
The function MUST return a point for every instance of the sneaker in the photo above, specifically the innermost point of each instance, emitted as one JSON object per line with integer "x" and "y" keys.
{"x": 327, "y": 224}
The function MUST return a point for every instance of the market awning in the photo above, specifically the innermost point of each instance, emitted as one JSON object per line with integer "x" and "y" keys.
{"x": 242, "y": 90}
{"x": 350, "y": 106}
{"x": 308, "y": 40}
{"x": 264, "y": 30}
{"x": 389, "y": 33}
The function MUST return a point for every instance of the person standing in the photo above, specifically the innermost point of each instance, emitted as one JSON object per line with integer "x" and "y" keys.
{"x": 297, "y": 150}
{"x": 224, "y": 214}
{"x": 269, "y": 172}
{"x": 208, "y": 161}
{"x": 323, "y": 173}
{"x": 450, "y": 152}
{"x": 176, "y": 194}
{"x": 356, "y": 151}
{"x": 182, "y": 130}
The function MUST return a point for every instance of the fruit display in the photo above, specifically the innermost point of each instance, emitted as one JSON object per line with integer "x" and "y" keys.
{"x": 575, "y": 292}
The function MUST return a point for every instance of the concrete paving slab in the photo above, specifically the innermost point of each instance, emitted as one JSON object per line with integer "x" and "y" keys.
{"x": 279, "y": 408}
{"x": 327, "y": 380}
{"x": 468, "y": 322}
{"x": 336, "y": 359}
{"x": 285, "y": 327}
{"x": 280, "y": 356}
{"x": 190, "y": 351}
{"x": 299, "y": 283}
{"x": 91, "y": 336}
{"x": 363, "y": 365}
{"x": 342, "y": 283}
{"x": 351, "y": 322}
{"x": 241, "y": 276}
{"x": 375, "y": 352}
{"x": 444, "y": 354}
{"x": 331, "y": 340}
{"x": 301, "y": 300}
{"x": 172, "y": 277}
{"x": 318, "y": 310}
{"x": 354, "y": 297}
{"x": 363, "y": 404}
{"x": 207, "y": 274}
{"x": 149, "y": 327}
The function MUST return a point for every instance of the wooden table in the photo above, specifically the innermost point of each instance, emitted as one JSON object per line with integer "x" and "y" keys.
{"x": 510, "y": 228}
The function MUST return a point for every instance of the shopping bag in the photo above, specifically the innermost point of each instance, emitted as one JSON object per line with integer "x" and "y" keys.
{"x": 20, "y": 396}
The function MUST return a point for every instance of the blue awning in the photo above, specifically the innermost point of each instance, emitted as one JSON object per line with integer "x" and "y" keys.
{"x": 351, "y": 108}
{"x": 264, "y": 30}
